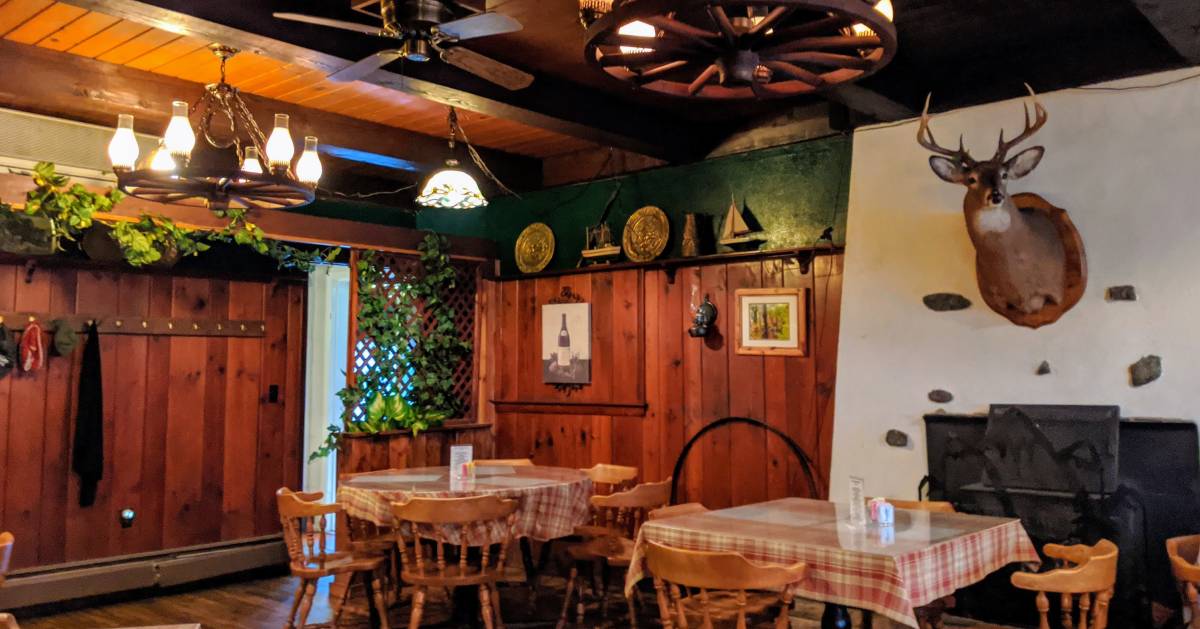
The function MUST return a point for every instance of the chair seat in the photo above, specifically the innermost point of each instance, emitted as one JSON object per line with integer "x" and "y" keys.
{"x": 723, "y": 605}
{"x": 336, "y": 563}
{"x": 453, "y": 576}
{"x": 616, "y": 551}
{"x": 587, "y": 531}
{"x": 381, "y": 544}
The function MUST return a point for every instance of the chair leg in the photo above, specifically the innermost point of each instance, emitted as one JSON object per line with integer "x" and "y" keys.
{"x": 562, "y": 618}
{"x": 496, "y": 606}
{"x": 418, "y": 607}
{"x": 632, "y": 612}
{"x": 310, "y": 591}
{"x": 664, "y": 605}
{"x": 485, "y": 606}
{"x": 341, "y": 603}
{"x": 377, "y": 596}
{"x": 291, "y": 622}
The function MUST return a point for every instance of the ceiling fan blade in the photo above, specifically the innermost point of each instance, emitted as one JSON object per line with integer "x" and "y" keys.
{"x": 487, "y": 68}
{"x": 324, "y": 21}
{"x": 365, "y": 66}
{"x": 480, "y": 25}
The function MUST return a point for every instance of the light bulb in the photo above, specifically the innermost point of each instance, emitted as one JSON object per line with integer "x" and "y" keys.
{"x": 162, "y": 161}
{"x": 637, "y": 28}
{"x": 123, "y": 148}
{"x": 251, "y": 163}
{"x": 885, "y": 8}
{"x": 179, "y": 137}
{"x": 308, "y": 167}
{"x": 279, "y": 146}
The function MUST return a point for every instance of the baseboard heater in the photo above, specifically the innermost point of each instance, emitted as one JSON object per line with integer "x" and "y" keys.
{"x": 63, "y": 582}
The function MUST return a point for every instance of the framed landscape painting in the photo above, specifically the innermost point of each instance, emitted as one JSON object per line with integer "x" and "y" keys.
{"x": 567, "y": 344}
{"x": 772, "y": 321}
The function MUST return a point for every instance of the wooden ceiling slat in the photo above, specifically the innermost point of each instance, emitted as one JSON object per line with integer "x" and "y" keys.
{"x": 45, "y": 23}
{"x": 289, "y": 85}
{"x": 273, "y": 76}
{"x": 245, "y": 66}
{"x": 108, "y": 39}
{"x": 78, "y": 31}
{"x": 16, "y": 12}
{"x": 200, "y": 66}
{"x": 138, "y": 46}
{"x": 167, "y": 53}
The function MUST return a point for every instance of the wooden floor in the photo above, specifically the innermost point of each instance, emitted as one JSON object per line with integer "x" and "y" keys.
{"x": 265, "y": 602}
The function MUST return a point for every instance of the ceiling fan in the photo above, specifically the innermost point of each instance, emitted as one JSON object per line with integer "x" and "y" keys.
{"x": 426, "y": 28}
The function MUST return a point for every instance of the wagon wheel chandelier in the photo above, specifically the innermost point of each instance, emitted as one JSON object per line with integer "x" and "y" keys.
{"x": 740, "y": 49}
{"x": 225, "y": 171}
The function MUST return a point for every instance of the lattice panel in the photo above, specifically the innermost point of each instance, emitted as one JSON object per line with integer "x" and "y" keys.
{"x": 399, "y": 272}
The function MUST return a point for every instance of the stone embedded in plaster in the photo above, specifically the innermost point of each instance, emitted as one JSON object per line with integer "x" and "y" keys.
{"x": 1043, "y": 368}
{"x": 896, "y": 438}
{"x": 1146, "y": 370}
{"x": 1121, "y": 293}
{"x": 946, "y": 302}
{"x": 941, "y": 396}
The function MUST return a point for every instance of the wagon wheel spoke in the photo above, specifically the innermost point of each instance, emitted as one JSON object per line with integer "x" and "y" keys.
{"x": 827, "y": 59}
{"x": 664, "y": 71}
{"x": 635, "y": 59}
{"x": 796, "y": 72}
{"x": 685, "y": 31}
{"x": 721, "y": 19}
{"x": 702, "y": 80}
{"x": 775, "y": 16}
{"x": 829, "y": 24}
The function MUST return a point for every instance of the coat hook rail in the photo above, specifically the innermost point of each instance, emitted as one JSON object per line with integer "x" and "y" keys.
{"x": 147, "y": 326}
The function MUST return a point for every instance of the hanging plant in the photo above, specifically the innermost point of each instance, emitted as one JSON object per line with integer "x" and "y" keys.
{"x": 413, "y": 345}
{"x": 70, "y": 208}
{"x": 148, "y": 240}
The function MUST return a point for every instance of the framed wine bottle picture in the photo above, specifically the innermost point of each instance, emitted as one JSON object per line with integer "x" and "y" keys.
{"x": 567, "y": 344}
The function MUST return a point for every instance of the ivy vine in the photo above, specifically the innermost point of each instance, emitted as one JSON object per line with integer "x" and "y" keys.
{"x": 409, "y": 326}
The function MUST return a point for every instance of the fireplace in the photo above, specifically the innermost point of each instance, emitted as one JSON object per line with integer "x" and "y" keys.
{"x": 1073, "y": 474}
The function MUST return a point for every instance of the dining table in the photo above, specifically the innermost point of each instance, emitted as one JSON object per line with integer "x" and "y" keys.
{"x": 888, "y": 570}
{"x": 551, "y": 502}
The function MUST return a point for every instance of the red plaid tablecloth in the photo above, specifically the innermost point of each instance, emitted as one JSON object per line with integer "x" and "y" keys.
{"x": 924, "y": 557}
{"x": 553, "y": 500}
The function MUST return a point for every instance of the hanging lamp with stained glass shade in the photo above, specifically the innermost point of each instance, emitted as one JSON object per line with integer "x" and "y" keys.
{"x": 452, "y": 188}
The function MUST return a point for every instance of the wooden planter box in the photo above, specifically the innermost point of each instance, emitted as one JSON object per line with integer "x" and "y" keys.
{"x": 363, "y": 452}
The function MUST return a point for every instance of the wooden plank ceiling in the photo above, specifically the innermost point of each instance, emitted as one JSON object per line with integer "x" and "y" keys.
{"x": 64, "y": 27}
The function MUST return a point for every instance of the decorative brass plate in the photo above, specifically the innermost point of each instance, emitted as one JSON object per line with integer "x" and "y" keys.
{"x": 535, "y": 247}
{"x": 646, "y": 233}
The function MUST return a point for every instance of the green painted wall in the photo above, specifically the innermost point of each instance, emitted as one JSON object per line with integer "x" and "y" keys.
{"x": 794, "y": 191}
{"x": 359, "y": 211}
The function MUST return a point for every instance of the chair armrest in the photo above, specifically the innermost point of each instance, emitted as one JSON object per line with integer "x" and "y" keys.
{"x": 8, "y": 622}
{"x": 1075, "y": 554}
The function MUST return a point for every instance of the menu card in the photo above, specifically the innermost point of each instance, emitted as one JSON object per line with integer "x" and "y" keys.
{"x": 858, "y": 502}
{"x": 460, "y": 462}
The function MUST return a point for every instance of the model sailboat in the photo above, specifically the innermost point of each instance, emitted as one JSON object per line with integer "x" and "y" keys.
{"x": 736, "y": 234}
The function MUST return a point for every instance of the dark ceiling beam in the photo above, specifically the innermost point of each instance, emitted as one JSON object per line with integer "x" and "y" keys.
{"x": 869, "y": 102}
{"x": 1178, "y": 21}
{"x": 83, "y": 89}
{"x": 550, "y": 104}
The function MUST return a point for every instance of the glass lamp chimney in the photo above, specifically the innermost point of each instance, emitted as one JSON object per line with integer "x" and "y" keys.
{"x": 179, "y": 137}
{"x": 308, "y": 167}
{"x": 123, "y": 148}
{"x": 280, "y": 149}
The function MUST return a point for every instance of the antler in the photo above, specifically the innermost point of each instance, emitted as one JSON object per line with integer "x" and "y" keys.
{"x": 1039, "y": 119}
{"x": 925, "y": 139}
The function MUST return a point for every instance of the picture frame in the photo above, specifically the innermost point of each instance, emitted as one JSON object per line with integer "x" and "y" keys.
{"x": 566, "y": 350}
{"x": 771, "y": 321}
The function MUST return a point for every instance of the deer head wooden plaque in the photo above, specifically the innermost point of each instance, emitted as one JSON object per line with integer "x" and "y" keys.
{"x": 1029, "y": 259}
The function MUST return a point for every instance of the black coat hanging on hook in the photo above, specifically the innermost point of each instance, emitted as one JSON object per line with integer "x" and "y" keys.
{"x": 87, "y": 455}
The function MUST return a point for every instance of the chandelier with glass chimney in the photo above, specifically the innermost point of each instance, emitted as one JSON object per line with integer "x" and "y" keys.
{"x": 227, "y": 170}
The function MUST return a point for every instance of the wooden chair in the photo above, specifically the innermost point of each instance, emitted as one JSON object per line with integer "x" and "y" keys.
{"x": 444, "y": 524}
{"x": 505, "y": 462}
{"x": 620, "y": 516}
{"x": 607, "y": 479}
{"x": 674, "y": 511}
{"x": 6, "y": 546}
{"x": 932, "y": 506}
{"x": 368, "y": 539}
{"x": 724, "y": 586}
{"x": 1183, "y": 552}
{"x": 1089, "y": 572}
{"x": 305, "y": 524}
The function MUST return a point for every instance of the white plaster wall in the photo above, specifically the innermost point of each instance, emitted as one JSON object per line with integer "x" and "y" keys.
{"x": 1126, "y": 165}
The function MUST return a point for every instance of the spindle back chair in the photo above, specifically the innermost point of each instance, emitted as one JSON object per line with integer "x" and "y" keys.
{"x": 1088, "y": 574}
{"x": 437, "y": 529}
{"x": 1183, "y": 551}
{"x": 6, "y": 546}
{"x": 308, "y": 537}
{"x": 718, "y": 586}
{"x": 674, "y": 511}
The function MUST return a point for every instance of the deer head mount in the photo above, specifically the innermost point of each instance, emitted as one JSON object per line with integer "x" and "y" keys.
{"x": 1029, "y": 259}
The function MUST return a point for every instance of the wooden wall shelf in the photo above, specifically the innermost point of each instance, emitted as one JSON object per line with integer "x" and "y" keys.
{"x": 804, "y": 255}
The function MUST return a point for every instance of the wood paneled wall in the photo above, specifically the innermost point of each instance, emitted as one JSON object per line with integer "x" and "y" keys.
{"x": 194, "y": 442}
{"x": 653, "y": 386}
